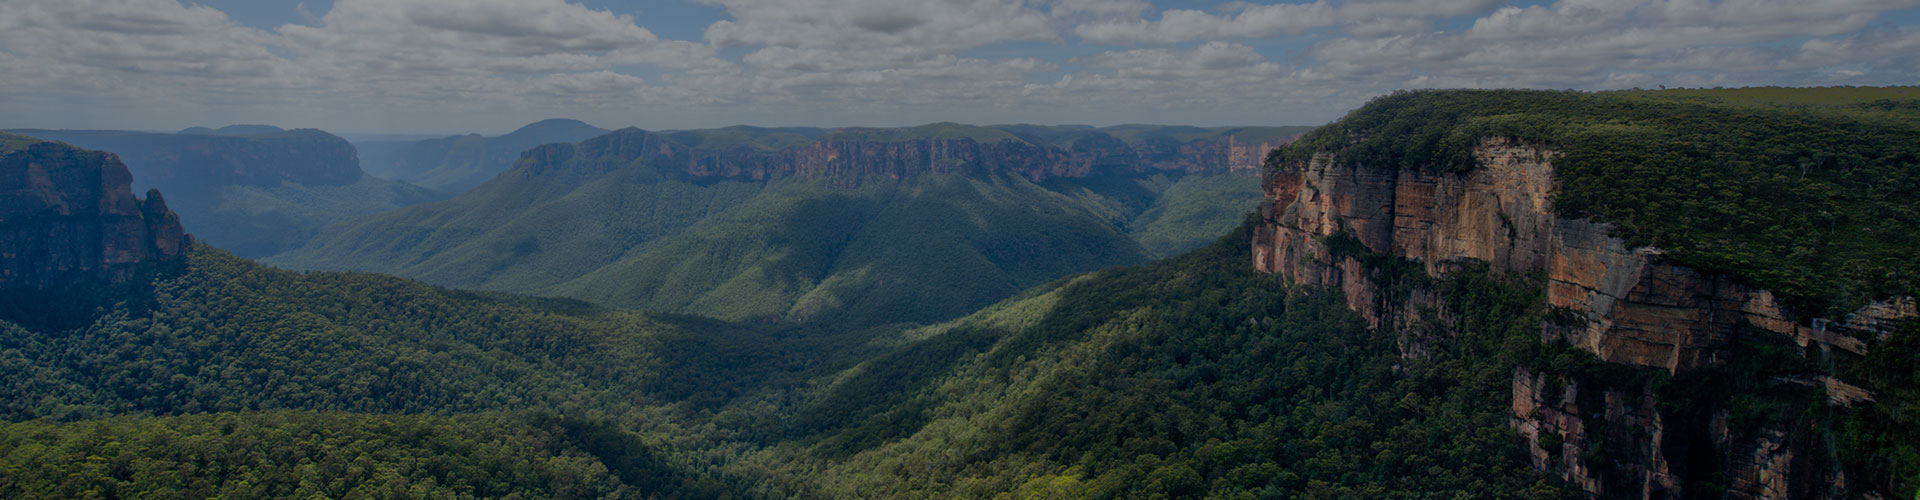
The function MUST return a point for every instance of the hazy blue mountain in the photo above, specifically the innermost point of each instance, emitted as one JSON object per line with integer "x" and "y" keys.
{"x": 859, "y": 226}
{"x": 454, "y": 164}
{"x": 251, "y": 189}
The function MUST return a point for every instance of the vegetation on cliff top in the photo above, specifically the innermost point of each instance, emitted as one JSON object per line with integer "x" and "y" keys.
{"x": 1811, "y": 193}
{"x": 11, "y": 142}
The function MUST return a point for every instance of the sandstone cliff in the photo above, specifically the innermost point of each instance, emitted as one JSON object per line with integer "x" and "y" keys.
{"x": 1624, "y": 305}
{"x": 71, "y": 227}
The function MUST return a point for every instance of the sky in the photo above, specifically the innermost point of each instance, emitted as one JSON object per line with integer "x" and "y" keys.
{"x": 488, "y": 66}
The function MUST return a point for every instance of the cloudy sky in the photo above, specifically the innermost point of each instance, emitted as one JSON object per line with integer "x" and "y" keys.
{"x": 444, "y": 66}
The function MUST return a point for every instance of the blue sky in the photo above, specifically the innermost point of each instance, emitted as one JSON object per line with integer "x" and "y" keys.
{"x": 451, "y": 66}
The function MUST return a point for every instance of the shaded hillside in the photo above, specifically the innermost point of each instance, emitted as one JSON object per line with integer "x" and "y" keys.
{"x": 226, "y": 334}
{"x": 453, "y": 165}
{"x": 255, "y": 191}
{"x": 804, "y": 224}
{"x": 920, "y": 250}
{"x": 245, "y": 355}
{"x": 1187, "y": 378}
{"x": 1125, "y": 383}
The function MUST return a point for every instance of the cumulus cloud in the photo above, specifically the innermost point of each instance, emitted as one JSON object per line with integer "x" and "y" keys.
{"x": 1211, "y": 76}
{"x": 1178, "y": 25}
{"x": 921, "y": 26}
{"x": 1611, "y": 43}
{"x": 1250, "y": 20}
{"x": 456, "y": 62}
{"x": 91, "y": 40}
{"x": 401, "y": 39}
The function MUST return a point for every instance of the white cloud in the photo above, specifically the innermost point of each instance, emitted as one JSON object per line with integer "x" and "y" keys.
{"x": 88, "y": 38}
{"x": 1178, "y": 25}
{"x": 1608, "y": 43}
{"x": 921, "y": 26}
{"x": 1098, "y": 8}
{"x": 1213, "y": 76}
{"x": 448, "y": 64}
{"x": 378, "y": 38}
{"x": 1251, "y": 20}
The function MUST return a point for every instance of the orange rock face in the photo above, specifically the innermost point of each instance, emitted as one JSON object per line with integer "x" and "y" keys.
{"x": 1636, "y": 308}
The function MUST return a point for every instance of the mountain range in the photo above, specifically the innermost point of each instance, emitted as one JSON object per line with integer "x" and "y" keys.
{"x": 847, "y": 225}
{"x": 255, "y": 190}
{"x": 454, "y": 164}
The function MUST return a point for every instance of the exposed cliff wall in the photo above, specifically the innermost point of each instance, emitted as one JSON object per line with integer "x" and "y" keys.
{"x": 70, "y": 227}
{"x": 1624, "y": 305}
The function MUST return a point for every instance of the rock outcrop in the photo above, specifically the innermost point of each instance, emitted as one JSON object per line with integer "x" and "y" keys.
{"x": 251, "y": 190}
{"x": 1624, "y": 305}
{"x": 71, "y": 227}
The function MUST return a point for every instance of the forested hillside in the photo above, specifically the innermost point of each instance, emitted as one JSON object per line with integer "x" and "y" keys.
{"x": 286, "y": 383}
{"x": 1121, "y": 383}
{"x": 1191, "y": 377}
{"x": 285, "y": 454}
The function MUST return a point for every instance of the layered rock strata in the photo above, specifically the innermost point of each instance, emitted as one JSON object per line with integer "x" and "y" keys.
{"x": 70, "y": 226}
{"x": 1625, "y": 305}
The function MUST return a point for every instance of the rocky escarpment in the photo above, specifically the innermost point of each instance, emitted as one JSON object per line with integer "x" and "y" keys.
{"x": 175, "y": 162}
{"x": 71, "y": 229}
{"x": 850, "y": 158}
{"x": 1623, "y": 305}
{"x": 250, "y": 190}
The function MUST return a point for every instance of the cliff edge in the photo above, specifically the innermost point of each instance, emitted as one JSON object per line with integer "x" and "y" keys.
{"x": 71, "y": 229}
{"x": 1378, "y": 224}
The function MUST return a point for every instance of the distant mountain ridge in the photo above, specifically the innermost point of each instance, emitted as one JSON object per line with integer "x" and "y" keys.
{"x": 245, "y": 155}
{"x": 848, "y": 225}
{"x": 850, "y": 156}
{"x": 251, "y": 189}
{"x": 455, "y": 164}
{"x": 236, "y": 130}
